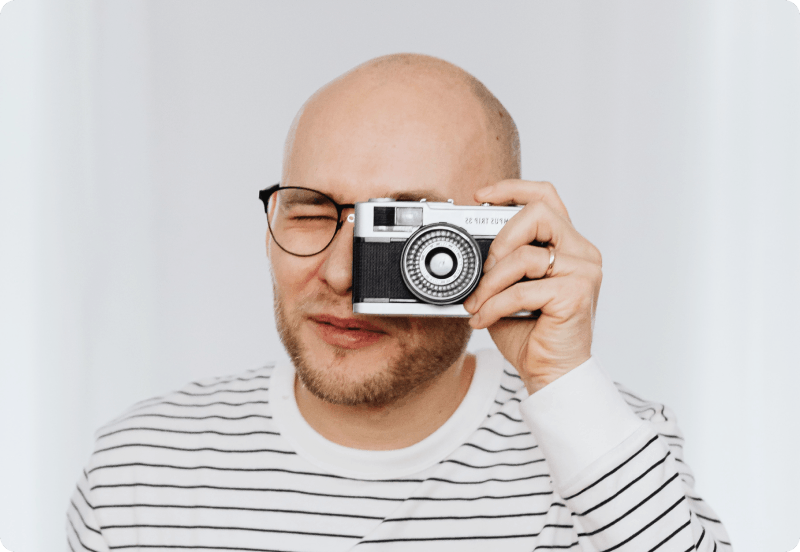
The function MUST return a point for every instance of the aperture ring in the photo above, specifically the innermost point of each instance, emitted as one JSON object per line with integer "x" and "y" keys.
{"x": 441, "y": 238}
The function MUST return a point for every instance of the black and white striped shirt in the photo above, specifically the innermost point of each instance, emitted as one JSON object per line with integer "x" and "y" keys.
{"x": 230, "y": 464}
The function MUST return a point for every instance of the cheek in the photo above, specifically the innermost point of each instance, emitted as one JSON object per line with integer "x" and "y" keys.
{"x": 291, "y": 275}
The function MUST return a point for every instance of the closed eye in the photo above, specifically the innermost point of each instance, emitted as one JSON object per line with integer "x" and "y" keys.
{"x": 312, "y": 218}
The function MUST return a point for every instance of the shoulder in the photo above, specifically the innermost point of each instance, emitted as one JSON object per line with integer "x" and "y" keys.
{"x": 199, "y": 407}
{"x": 166, "y": 440}
{"x": 227, "y": 390}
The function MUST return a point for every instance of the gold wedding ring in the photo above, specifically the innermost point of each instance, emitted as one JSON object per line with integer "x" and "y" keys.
{"x": 552, "y": 251}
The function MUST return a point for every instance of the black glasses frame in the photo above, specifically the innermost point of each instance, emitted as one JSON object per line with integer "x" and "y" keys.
{"x": 266, "y": 193}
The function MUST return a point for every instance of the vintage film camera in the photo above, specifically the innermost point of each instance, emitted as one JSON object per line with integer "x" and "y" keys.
{"x": 421, "y": 258}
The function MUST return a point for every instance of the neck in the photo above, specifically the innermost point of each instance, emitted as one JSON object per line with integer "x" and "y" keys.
{"x": 398, "y": 425}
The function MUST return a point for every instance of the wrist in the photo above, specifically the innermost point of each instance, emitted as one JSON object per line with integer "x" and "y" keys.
{"x": 578, "y": 419}
{"x": 544, "y": 377}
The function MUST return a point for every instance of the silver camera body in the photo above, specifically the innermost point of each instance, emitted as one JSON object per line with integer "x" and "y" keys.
{"x": 421, "y": 258}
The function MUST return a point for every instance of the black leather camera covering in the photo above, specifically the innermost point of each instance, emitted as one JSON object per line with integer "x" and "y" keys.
{"x": 376, "y": 269}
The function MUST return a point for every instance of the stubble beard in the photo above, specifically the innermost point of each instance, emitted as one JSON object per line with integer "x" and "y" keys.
{"x": 416, "y": 365}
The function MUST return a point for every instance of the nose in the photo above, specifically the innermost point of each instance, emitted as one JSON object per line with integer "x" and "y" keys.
{"x": 337, "y": 268}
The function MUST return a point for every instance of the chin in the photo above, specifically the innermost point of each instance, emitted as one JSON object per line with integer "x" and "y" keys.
{"x": 353, "y": 357}
{"x": 351, "y": 376}
{"x": 357, "y": 362}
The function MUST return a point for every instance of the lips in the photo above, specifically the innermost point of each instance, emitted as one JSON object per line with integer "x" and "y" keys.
{"x": 346, "y": 333}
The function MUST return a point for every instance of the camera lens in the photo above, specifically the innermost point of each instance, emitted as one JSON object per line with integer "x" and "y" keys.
{"x": 440, "y": 263}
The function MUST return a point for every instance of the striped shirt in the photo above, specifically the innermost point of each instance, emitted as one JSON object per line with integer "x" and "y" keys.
{"x": 229, "y": 464}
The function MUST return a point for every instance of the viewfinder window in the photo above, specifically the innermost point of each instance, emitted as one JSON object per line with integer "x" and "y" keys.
{"x": 408, "y": 216}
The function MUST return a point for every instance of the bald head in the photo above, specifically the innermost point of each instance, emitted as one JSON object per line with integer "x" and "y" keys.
{"x": 500, "y": 125}
{"x": 405, "y": 120}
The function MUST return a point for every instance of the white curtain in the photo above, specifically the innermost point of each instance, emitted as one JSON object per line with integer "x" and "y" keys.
{"x": 134, "y": 137}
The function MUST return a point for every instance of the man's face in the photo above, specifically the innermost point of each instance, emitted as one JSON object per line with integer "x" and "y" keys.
{"x": 356, "y": 140}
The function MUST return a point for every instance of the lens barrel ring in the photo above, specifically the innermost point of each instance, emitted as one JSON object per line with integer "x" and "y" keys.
{"x": 465, "y": 255}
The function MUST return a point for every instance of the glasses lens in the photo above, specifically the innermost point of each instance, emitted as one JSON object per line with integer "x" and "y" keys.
{"x": 302, "y": 221}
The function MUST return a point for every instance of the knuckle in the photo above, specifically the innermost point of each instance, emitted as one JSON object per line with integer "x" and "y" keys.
{"x": 597, "y": 257}
{"x": 539, "y": 208}
{"x": 596, "y": 273}
{"x": 527, "y": 255}
{"x": 536, "y": 212}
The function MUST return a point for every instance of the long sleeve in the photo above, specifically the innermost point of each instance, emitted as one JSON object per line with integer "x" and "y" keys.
{"x": 83, "y": 530}
{"x": 617, "y": 461}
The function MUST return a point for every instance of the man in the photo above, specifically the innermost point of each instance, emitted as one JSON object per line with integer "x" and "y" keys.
{"x": 384, "y": 433}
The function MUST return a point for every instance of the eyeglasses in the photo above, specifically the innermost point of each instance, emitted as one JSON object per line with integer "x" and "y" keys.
{"x": 302, "y": 221}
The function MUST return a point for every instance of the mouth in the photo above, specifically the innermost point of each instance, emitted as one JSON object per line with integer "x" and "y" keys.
{"x": 347, "y": 333}
{"x": 346, "y": 323}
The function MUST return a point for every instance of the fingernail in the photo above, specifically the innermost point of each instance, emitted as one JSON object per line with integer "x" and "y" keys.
{"x": 490, "y": 262}
{"x": 469, "y": 304}
{"x": 485, "y": 191}
{"x": 475, "y": 321}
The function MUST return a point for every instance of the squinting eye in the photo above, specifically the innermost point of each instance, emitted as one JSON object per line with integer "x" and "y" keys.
{"x": 302, "y": 218}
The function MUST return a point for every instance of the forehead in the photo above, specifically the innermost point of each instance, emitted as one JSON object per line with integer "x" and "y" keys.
{"x": 405, "y": 140}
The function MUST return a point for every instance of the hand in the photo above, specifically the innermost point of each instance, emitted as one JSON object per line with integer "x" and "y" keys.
{"x": 561, "y": 339}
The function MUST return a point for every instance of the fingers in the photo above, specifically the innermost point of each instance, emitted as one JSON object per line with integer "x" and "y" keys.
{"x": 538, "y": 222}
{"x": 544, "y": 218}
{"x": 522, "y": 192}
{"x": 530, "y": 296}
{"x": 528, "y": 261}
{"x": 569, "y": 292}
{"x": 561, "y": 297}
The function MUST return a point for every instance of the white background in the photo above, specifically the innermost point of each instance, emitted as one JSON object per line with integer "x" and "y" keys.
{"x": 134, "y": 137}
